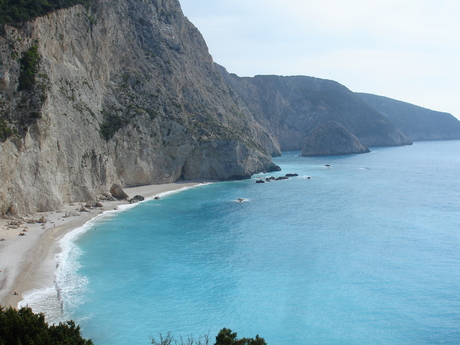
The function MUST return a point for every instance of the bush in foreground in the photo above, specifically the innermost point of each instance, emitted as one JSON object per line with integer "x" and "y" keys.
{"x": 23, "y": 327}
{"x": 225, "y": 337}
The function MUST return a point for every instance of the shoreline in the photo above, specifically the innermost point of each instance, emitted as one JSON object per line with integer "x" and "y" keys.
{"x": 28, "y": 250}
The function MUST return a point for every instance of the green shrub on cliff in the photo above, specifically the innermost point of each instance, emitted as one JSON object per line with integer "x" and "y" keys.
{"x": 16, "y": 11}
{"x": 112, "y": 123}
{"x": 23, "y": 327}
{"x": 227, "y": 337}
{"x": 6, "y": 130}
{"x": 29, "y": 66}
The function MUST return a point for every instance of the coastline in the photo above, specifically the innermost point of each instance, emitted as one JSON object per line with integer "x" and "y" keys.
{"x": 28, "y": 251}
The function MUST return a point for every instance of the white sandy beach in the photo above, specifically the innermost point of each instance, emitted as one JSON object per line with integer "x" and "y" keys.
{"x": 27, "y": 251}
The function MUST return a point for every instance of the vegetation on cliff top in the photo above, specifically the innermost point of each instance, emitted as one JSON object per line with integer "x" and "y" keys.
{"x": 16, "y": 11}
{"x": 23, "y": 327}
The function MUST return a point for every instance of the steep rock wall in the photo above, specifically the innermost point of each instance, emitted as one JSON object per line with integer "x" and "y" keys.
{"x": 332, "y": 138}
{"x": 292, "y": 107}
{"x": 415, "y": 122}
{"x": 125, "y": 92}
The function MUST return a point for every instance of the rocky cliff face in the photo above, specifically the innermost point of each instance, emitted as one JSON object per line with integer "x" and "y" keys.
{"x": 121, "y": 92}
{"x": 125, "y": 91}
{"x": 415, "y": 122}
{"x": 332, "y": 138}
{"x": 292, "y": 107}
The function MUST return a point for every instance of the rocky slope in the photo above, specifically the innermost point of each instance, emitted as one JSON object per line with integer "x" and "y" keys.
{"x": 292, "y": 107}
{"x": 415, "y": 122}
{"x": 123, "y": 92}
{"x": 332, "y": 138}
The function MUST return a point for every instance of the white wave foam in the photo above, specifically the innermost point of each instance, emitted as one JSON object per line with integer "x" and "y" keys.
{"x": 54, "y": 301}
{"x": 57, "y": 301}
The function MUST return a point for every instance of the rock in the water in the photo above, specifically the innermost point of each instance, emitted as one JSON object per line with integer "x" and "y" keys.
{"x": 273, "y": 167}
{"x": 332, "y": 138}
{"x": 118, "y": 192}
{"x": 282, "y": 178}
{"x": 136, "y": 199}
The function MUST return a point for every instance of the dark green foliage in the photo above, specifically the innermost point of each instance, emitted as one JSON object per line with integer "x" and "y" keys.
{"x": 112, "y": 123}
{"x": 5, "y": 130}
{"x": 16, "y": 11}
{"x": 29, "y": 66}
{"x": 23, "y": 327}
{"x": 227, "y": 337}
{"x": 170, "y": 340}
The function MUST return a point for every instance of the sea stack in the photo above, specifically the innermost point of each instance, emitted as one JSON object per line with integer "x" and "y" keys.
{"x": 332, "y": 138}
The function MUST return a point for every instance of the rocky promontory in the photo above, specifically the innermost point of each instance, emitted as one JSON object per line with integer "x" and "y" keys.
{"x": 417, "y": 123}
{"x": 119, "y": 92}
{"x": 332, "y": 138}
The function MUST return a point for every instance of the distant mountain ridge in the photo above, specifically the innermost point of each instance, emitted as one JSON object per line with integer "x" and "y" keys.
{"x": 415, "y": 122}
{"x": 292, "y": 107}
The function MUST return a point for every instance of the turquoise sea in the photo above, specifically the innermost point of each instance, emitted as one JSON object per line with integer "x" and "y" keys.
{"x": 366, "y": 251}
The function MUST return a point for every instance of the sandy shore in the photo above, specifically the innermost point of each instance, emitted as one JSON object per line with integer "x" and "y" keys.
{"x": 28, "y": 250}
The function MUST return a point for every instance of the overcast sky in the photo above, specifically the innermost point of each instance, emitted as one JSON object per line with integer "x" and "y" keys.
{"x": 403, "y": 49}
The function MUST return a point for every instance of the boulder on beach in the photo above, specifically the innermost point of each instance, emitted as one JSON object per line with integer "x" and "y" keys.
{"x": 136, "y": 199}
{"x": 118, "y": 192}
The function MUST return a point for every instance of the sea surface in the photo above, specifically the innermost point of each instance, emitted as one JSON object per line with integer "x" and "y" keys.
{"x": 366, "y": 251}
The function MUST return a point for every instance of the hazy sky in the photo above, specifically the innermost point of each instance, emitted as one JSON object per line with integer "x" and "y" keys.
{"x": 404, "y": 49}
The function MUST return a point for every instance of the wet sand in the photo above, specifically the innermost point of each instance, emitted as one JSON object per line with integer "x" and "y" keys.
{"x": 28, "y": 250}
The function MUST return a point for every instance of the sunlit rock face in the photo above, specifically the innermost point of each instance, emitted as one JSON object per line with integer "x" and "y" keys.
{"x": 415, "y": 122}
{"x": 332, "y": 138}
{"x": 292, "y": 107}
{"x": 124, "y": 92}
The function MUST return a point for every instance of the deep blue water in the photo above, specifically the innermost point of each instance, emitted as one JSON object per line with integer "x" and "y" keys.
{"x": 365, "y": 252}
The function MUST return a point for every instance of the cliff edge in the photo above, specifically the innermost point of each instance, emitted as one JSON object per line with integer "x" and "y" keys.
{"x": 116, "y": 92}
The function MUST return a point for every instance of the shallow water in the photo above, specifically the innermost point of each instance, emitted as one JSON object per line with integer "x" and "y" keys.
{"x": 364, "y": 252}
